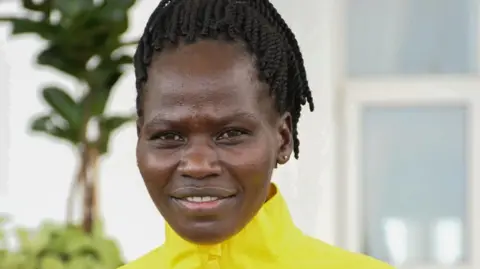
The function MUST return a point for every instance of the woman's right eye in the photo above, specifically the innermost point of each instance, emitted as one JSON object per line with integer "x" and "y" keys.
{"x": 173, "y": 137}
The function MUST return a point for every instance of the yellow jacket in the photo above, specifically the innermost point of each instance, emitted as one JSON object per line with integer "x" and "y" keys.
{"x": 269, "y": 241}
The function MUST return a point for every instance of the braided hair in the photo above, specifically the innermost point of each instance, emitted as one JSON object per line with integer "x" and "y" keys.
{"x": 256, "y": 23}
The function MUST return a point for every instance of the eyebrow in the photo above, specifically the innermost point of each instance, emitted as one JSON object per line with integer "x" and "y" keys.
{"x": 160, "y": 119}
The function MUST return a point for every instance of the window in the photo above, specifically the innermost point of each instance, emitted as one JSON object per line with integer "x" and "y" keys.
{"x": 412, "y": 132}
{"x": 413, "y": 198}
{"x": 391, "y": 37}
{"x": 406, "y": 152}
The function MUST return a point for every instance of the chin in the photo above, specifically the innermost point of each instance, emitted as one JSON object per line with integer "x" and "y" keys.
{"x": 205, "y": 237}
{"x": 205, "y": 233}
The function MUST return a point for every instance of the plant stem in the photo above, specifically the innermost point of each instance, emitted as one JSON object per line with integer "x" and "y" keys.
{"x": 90, "y": 213}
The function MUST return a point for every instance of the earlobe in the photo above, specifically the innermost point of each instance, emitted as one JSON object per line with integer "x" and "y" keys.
{"x": 283, "y": 159}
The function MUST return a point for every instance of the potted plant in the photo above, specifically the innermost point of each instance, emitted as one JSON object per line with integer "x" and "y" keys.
{"x": 84, "y": 41}
{"x": 58, "y": 247}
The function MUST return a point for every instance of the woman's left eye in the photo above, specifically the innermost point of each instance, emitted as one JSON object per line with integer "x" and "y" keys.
{"x": 231, "y": 134}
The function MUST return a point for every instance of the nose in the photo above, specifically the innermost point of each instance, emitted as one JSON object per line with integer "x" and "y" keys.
{"x": 200, "y": 160}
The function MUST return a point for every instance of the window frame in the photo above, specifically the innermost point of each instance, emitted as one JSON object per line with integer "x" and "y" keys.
{"x": 408, "y": 91}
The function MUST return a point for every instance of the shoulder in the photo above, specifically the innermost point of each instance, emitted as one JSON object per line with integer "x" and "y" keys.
{"x": 317, "y": 254}
{"x": 147, "y": 261}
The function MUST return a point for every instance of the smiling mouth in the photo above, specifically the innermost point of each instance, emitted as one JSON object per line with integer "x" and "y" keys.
{"x": 204, "y": 203}
{"x": 211, "y": 199}
{"x": 202, "y": 199}
{"x": 200, "y": 194}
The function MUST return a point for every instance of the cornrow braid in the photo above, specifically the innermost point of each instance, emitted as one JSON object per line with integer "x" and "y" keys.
{"x": 256, "y": 23}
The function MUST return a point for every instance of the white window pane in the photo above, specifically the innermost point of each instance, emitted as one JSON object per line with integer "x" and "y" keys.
{"x": 386, "y": 37}
{"x": 414, "y": 184}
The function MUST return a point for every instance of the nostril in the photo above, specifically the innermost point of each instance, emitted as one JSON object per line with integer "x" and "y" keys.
{"x": 199, "y": 160}
{"x": 199, "y": 168}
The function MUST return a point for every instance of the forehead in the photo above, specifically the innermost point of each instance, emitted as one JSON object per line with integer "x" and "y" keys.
{"x": 208, "y": 76}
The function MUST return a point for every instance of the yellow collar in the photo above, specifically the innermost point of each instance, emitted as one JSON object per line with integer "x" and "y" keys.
{"x": 268, "y": 235}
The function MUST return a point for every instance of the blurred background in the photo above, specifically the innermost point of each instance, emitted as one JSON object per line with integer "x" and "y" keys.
{"x": 389, "y": 160}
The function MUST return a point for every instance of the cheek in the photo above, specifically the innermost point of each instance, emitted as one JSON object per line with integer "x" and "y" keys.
{"x": 156, "y": 168}
{"x": 251, "y": 165}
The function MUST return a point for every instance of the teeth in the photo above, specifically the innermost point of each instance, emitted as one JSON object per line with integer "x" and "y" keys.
{"x": 198, "y": 199}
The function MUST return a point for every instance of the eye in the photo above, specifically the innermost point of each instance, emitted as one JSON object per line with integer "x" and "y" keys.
{"x": 169, "y": 136}
{"x": 231, "y": 134}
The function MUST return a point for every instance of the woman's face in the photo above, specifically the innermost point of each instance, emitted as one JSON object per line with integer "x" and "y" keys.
{"x": 209, "y": 139}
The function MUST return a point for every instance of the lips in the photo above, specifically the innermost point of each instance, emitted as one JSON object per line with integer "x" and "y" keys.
{"x": 202, "y": 194}
{"x": 204, "y": 200}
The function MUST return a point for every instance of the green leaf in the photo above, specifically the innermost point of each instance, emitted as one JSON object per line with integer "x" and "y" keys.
{"x": 7, "y": 19}
{"x": 124, "y": 59}
{"x": 64, "y": 105}
{"x": 107, "y": 126}
{"x": 79, "y": 245}
{"x": 17, "y": 261}
{"x": 68, "y": 247}
{"x": 121, "y": 4}
{"x": 42, "y": 124}
{"x": 24, "y": 26}
{"x": 42, "y": 6}
{"x": 71, "y": 8}
{"x": 114, "y": 122}
{"x": 64, "y": 58}
{"x": 115, "y": 12}
{"x": 23, "y": 237}
{"x": 41, "y": 238}
{"x": 108, "y": 252}
{"x": 51, "y": 262}
{"x": 98, "y": 230}
{"x": 79, "y": 262}
{"x": 45, "y": 124}
{"x": 96, "y": 100}
{"x": 3, "y": 236}
{"x": 115, "y": 9}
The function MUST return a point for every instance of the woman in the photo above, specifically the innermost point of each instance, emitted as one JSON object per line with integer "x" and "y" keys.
{"x": 220, "y": 87}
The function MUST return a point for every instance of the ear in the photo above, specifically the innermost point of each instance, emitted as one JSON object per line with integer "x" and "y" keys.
{"x": 285, "y": 138}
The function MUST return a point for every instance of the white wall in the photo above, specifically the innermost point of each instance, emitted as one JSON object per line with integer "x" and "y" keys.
{"x": 4, "y": 68}
{"x": 40, "y": 169}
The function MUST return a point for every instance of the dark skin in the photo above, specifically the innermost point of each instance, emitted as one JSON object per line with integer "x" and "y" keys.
{"x": 209, "y": 128}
